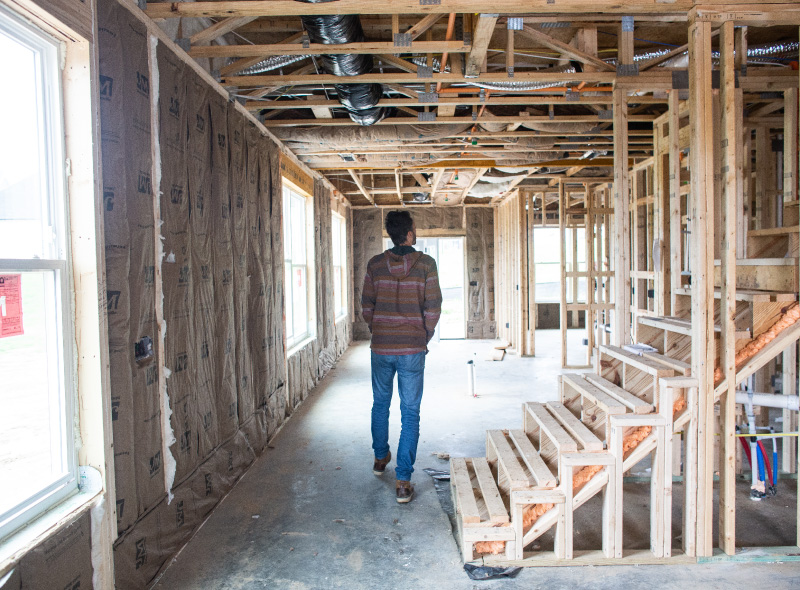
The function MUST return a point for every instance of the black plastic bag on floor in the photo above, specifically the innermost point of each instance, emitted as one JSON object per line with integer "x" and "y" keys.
{"x": 482, "y": 572}
{"x": 437, "y": 474}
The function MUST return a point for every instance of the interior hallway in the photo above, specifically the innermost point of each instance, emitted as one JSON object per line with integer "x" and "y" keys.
{"x": 309, "y": 514}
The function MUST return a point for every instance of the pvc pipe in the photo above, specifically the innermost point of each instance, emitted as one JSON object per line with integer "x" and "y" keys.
{"x": 471, "y": 378}
{"x": 769, "y": 400}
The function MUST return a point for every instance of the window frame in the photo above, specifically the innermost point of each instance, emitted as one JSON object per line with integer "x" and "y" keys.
{"x": 58, "y": 264}
{"x": 296, "y": 341}
{"x": 342, "y": 311}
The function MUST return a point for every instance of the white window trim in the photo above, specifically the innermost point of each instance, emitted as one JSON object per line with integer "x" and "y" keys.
{"x": 300, "y": 341}
{"x": 56, "y": 492}
{"x": 343, "y": 313}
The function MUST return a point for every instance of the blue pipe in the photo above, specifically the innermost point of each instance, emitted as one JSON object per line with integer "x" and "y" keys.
{"x": 761, "y": 469}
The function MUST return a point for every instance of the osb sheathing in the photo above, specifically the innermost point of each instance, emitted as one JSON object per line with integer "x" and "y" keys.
{"x": 219, "y": 224}
{"x": 478, "y": 226}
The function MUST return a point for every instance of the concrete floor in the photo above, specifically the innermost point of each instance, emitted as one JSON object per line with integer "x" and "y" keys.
{"x": 310, "y": 515}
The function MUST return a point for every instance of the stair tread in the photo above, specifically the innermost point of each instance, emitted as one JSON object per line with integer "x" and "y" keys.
{"x": 508, "y": 460}
{"x": 681, "y": 325}
{"x": 635, "y": 404}
{"x": 490, "y": 492}
{"x": 467, "y": 505}
{"x": 575, "y": 427}
{"x": 538, "y": 468}
{"x": 684, "y": 368}
{"x": 608, "y": 403}
{"x": 648, "y": 366}
{"x": 550, "y": 426}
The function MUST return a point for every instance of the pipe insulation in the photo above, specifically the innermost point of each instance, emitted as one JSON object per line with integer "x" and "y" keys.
{"x": 360, "y": 100}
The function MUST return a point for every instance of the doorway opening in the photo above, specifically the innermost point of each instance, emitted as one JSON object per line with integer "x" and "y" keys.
{"x": 449, "y": 256}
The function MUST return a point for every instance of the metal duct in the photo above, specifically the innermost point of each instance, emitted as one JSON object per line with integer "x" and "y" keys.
{"x": 360, "y": 100}
{"x": 272, "y": 63}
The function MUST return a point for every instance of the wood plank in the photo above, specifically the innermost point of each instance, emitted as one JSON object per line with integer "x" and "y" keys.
{"x": 608, "y": 404}
{"x": 507, "y": 460}
{"x": 622, "y": 244}
{"x": 575, "y": 427}
{"x": 491, "y": 495}
{"x": 466, "y": 506}
{"x": 551, "y": 428}
{"x": 670, "y": 363}
{"x": 650, "y": 367}
{"x": 635, "y": 404}
{"x": 564, "y": 48}
{"x": 219, "y": 29}
{"x": 536, "y": 465}
{"x": 422, "y": 26}
{"x": 480, "y": 43}
{"x": 361, "y": 186}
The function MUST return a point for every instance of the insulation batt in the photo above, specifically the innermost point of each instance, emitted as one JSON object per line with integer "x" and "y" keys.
{"x": 583, "y": 476}
{"x": 751, "y": 348}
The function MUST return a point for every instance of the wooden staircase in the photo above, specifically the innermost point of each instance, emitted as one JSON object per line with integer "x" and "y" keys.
{"x": 533, "y": 478}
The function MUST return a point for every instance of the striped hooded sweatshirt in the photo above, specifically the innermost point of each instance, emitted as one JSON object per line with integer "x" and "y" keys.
{"x": 401, "y": 301}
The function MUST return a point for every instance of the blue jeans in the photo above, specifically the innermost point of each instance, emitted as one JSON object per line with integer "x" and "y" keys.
{"x": 410, "y": 369}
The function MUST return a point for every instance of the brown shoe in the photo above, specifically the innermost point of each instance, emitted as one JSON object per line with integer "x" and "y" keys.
{"x": 404, "y": 490}
{"x": 379, "y": 466}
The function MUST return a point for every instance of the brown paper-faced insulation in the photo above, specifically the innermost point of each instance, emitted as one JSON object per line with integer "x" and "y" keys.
{"x": 176, "y": 267}
{"x": 480, "y": 273}
{"x": 64, "y": 560}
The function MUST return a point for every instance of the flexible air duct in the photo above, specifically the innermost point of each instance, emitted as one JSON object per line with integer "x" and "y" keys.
{"x": 360, "y": 100}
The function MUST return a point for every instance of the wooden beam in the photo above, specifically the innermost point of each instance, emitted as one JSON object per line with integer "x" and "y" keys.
{"x": 398, "y": 185}
{"x": 657, "y": 79}
{"x": 564, "y": 48}
{"x": 365, "y": 47}
{"x": 436, "y": 180}
{"x": 464, "y": 120}
{"x": 702, "y": 253}
{"x": 399, "y": 63}
{"x": 731, "y": 185}
{"x": 676, "y": 9}
{"x": 622, "y": 248}
{"x": 249, "y": 62}
{"x": 480, "y": 44}
{"x": 478, "y": 175}
{"x": 423, "y": 25}
{"x": 361, "y": 187}
{"x": 220, "y": 28}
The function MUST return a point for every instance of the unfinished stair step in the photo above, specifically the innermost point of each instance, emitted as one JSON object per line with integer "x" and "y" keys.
{"x": 645, "y": 365}
{"x": 680, "y": 325}
{"x": 538, "y": 468}
{"x": 549, "y": 427}
{"x": 575, "y": 427}
{"x": 508, "y": 464}
{"x": 481, "y": 514}
{"x": 633, "y": 403}
{"x": 607, "y": 403}
{"x": 681, "y": 367}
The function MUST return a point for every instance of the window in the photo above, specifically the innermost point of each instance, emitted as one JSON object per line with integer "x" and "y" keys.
{"x": 38, "y": 464}
{"x": 298, "y": 258}
{"x": 547, "y": 258}
{"x": 339, "y": 239}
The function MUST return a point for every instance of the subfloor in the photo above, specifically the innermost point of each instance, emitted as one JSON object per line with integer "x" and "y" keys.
{"x": 311, "y": 515}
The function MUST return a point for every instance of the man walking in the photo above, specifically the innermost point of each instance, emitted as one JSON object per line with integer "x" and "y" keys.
{"x": 401, "y": 303}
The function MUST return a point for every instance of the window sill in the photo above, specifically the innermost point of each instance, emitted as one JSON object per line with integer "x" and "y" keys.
{"x": 67, "y": 511}
{"x": 299, "y": 346}
{"x": 340, "y": 319}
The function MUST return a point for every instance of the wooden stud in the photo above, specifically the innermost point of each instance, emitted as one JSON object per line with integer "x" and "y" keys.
{"x": 702, "y": 232}
{"x": 480, "y": 43}
{"x": 562, "y": 228}
{"x": 622, "y": 245}
{"x": 731, "y": 186}
{"x": 219, "y": 29}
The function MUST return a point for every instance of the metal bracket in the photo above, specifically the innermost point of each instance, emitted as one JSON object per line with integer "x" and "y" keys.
{"x": 430, "y": 2}
{"x": 402, "y": 39}
{"x": 474, "y": 115}
{"x": 185, "y": 43}
{"x": 627, "y": 70}
{"x": 428, "y": 116}
{"x": 571, "y": 96}
{"x": 605, "y": 115}
{"x": 424, "y": 72}
{"x": 428, "y": 97}
{"x": 467, "y": 38}
{"x": 551, "y": 112}
{"x": 627, "y": 24}
{"x": 514, "y": 23}
{"x": 680, "y": 80}
{"x": 482, "y": 95}
{"x": 510, "y": 71}
{"x": 305, "y": 41}
{"x": 142, "y": 4}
